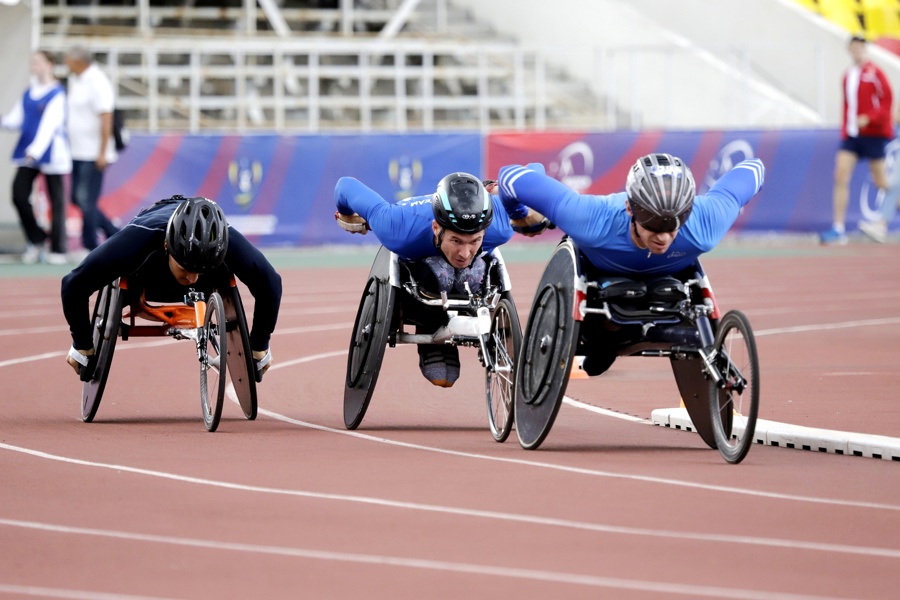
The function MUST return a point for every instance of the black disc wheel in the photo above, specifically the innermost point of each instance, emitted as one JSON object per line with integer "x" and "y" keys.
{"x": 213, "y": 362}
{"x": 105, "y": 321}
{"x": 734, "y": 401}
{"x": 241, "y": 366}
{"x": 548, "y": 349}
{"x": 502, "y": 346}
{"x": 368, "y": 340}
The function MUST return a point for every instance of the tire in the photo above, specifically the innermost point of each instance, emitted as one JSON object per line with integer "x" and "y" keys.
{"x": 241, "y": 367}
{"x": 734, "y": 403}
{"x": 548, "y": 349}
{"x": 368, "y": 340}
{"x": 213, "y": 370}
{"x": 105, "y": 321}
{"x": 503, "y": 346}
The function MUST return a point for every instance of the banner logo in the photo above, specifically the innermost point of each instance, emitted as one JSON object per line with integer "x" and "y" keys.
{"x": 574, "y": 166}
{"x": 729, "y": 155}
{"x": 405, "y": 174}
{"x": 245, "y": 176}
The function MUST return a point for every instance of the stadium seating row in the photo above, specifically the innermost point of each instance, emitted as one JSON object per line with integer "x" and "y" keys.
{"x": 874, "y": 19}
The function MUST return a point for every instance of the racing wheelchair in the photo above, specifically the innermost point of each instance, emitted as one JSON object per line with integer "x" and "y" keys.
{"x": 714, "y": 360}
{"x": 217, "y": 325}
{"x": 485, "y": 318}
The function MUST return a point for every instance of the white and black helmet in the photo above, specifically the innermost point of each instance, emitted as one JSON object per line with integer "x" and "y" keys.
{"x": 661, "y": 191}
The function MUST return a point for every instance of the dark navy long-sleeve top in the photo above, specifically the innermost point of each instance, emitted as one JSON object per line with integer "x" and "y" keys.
{"x": 138, "y": 252}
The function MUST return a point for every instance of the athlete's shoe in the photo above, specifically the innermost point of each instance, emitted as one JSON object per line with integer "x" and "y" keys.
{"x": 31, "y": 255}
{"x": 877, "y": 230}
{"x": 439, "y": 364}
{"x": 833, "y": 237}
{"x": 56, "y": 258}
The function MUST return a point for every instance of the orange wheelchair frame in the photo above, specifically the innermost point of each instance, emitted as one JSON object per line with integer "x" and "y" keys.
{"x": 217, "y": 325}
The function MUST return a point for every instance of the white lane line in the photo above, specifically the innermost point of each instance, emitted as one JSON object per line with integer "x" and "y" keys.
{"x": 42, "y": 592}
{"x": 583, "y": 471}
{"x": 605, "y": 412}
{"x": 310, "y": 329}
{"x": 474, "y": 513}
{"x": 431, "y": 565}
{"x": 9, "y": 314}
{"x": 160, "y": 342}
{"x": 319, "y": 310}
{"x": 827, "y": 326}
{"x": 33, "y": 330}
{"x": 58, "y": 354}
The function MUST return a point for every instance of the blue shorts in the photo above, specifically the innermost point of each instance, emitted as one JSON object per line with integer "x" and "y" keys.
{"x": 866, "y": 146}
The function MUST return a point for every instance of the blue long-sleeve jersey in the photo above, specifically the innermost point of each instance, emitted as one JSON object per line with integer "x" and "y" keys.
{"x": 405, "y": 227}
{"x": 600, "y": 225}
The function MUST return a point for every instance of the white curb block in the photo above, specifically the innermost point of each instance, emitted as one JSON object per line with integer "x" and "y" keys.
{"x": 784, "y": 435}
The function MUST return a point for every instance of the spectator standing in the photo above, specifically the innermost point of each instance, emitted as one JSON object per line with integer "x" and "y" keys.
{"x": 867, "y": 127}
{"x": 42, "y": 149}
{"x": 90, "y": 112}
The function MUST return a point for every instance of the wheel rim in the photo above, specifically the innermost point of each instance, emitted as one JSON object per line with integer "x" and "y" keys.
{"x": 362, "y": 333}
{"x": 541, "y": 346}
{"x": 212, "y": 367}
{"x": 501, "y": 373}
{"x": 737, "y": 399}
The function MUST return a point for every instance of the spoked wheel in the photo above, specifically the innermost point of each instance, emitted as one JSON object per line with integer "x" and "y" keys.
{"x": 213, "y": 362}
{"x": 503, "y": 346}
{"x": 105, "y": 321}
{"x": 241, "y": 367}
{"x": 368, "y": 341}
{"x": 548, "y": 348}
{"x": 735, "y": 401}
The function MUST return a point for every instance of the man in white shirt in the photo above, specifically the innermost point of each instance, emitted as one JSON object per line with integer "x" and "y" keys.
{"x": 91, "y": 100}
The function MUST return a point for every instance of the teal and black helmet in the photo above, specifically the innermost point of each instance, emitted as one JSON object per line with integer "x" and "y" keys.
{"x": 461, "y": 204}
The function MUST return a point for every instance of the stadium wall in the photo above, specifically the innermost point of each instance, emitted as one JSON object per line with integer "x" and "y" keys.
{"x": 279, "y": 189}
{"x": 15, "y": 31}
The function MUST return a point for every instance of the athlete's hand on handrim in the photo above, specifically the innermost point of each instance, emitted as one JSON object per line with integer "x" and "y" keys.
{"x": 532, "y": 224}
{"x": 352, "y": 223}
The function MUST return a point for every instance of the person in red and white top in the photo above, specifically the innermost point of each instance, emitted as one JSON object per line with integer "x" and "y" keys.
{"x": 866, "y": 129}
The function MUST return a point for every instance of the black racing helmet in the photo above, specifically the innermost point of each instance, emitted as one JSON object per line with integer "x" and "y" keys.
{"x": 461, "y": 204}
{"x": 661, "y": 191}
{"x": 197, "y": 235}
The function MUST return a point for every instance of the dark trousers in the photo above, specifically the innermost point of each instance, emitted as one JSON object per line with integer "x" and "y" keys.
{"x": 87, "y": 181}
{"x": 23, "y": 183}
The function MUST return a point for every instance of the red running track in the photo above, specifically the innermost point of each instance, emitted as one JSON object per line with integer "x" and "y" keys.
{"x": 420, "y": 501}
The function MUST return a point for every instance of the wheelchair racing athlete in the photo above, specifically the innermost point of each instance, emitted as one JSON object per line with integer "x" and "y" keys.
{"x": 174, "y": 245}
{"x": 441, "y": 238}
{"x": 656, "y": 229}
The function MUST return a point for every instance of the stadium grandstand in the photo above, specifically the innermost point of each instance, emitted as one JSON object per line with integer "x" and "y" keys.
{"x": 422, "y": 65}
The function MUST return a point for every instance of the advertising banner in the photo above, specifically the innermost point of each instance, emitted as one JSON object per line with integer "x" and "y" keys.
{"x": 278, "y": 190}
{"x": 797, "y": 196}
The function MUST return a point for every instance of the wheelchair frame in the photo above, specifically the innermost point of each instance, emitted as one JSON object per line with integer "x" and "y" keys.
{"x": 706, "y": 376}
{"x": 217, "y": 325}
{"x": 486, "y": 320}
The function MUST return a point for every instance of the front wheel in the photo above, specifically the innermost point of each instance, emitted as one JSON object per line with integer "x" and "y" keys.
{"x": 213, "y": 362}
{"x": 502, "y": 346}
{"x": 734, "y": 401}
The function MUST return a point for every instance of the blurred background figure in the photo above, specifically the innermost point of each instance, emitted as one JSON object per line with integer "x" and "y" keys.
{"x": 42, "y": 149}
{"x": 91, "y": 101}
{"x": 867, "y": 128}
